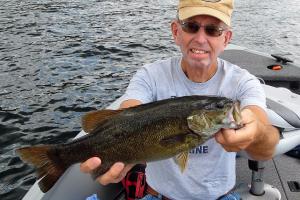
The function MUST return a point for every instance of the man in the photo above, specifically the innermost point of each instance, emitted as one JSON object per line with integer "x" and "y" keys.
{"x": 202, "y": 31}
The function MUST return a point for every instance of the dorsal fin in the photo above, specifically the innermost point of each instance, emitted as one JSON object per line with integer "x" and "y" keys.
{"x": 92, "y": 119}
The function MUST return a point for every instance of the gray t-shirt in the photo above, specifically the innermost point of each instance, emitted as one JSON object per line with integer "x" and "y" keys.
{"x": 210, "y": 171}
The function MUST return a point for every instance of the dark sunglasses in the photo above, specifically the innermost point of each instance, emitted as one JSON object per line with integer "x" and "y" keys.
{"x": 193, "y": 27}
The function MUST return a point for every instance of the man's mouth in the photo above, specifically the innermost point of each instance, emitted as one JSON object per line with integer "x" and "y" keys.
{"x": 198, "y": 51}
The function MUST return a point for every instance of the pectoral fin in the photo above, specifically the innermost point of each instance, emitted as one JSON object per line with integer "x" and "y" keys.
{"x": 181, "y": 160}
{"x": 173, "y": 140}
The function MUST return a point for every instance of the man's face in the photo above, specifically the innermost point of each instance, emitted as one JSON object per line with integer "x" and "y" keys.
{"x": 200, "y": 49}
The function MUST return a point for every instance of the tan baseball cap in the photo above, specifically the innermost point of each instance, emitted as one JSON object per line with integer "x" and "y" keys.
{"x": 221, "y": 9}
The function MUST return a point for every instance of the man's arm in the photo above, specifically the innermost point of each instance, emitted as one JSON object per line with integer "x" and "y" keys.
{"x": 258, "y": 137}
{"x": 130, "y": 103}
{"x": 119, "y": 170}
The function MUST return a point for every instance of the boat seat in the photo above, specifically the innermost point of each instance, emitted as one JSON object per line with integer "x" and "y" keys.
{"x": 287, "y": 114}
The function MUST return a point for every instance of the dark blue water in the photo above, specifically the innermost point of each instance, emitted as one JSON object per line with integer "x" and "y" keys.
{"x": 60, "y": 59}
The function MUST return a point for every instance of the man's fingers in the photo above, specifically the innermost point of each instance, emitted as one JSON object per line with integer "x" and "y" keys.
{"x": 90, "y": 165}
{"x": 231, "y": 136}
{"x": 232, "y": 140}
{"x": 113, "y": 175}
{"x": 227, "y": 136}
{"x": 231, "y": 149}
{"x": 126, "y": 169}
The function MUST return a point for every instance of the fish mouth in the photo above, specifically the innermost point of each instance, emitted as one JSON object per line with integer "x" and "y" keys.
{"x": 233, "y": 118}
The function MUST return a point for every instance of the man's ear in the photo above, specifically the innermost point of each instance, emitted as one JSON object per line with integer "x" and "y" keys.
{"x": 228, "y": 36}
{"x": 174, "y": 29}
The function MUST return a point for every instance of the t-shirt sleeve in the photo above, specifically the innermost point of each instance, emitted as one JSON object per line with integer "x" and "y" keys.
{"x": 251, "y": 92}
{"x": 140, "y": 87}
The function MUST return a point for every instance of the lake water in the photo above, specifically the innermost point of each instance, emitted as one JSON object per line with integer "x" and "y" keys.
{"x": 60, "y": 59}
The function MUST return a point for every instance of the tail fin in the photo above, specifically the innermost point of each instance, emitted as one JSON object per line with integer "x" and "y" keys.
{"x": 47, "y": 163}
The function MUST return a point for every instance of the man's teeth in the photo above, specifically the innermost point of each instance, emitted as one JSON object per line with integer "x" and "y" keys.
{"x": 199, "y": 51}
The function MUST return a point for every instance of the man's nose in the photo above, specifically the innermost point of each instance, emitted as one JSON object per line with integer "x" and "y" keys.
{"x": 201, "y": 36}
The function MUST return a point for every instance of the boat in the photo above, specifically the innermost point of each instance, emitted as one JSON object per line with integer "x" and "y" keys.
{"x": 278, "y": 178}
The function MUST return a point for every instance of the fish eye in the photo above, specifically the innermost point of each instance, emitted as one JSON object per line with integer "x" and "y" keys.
{"x": 220, "y": 105}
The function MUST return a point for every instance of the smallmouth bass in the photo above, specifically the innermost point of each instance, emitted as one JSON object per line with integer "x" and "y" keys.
{"x": 144, "y": 133}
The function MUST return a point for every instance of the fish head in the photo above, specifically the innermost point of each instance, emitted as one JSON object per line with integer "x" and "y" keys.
{"x": 223, "y": 113}
{"x": 233, "y": 119}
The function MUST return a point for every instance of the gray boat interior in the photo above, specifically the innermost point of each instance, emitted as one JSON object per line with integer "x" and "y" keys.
{"x": 281, "y": 173}
{"x": 260, "y": 65}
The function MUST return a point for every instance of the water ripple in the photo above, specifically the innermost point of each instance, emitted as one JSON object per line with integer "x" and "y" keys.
{"x": 60, "y": 59}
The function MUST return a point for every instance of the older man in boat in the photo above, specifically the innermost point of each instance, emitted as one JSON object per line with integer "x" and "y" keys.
{"x": 202, "y": 31}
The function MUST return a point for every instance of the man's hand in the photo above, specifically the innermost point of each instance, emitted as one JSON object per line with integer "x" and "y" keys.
{"x": 258, "y": 138}
{"x": 114, "y": 175}
{"x": 237, "y": 140}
